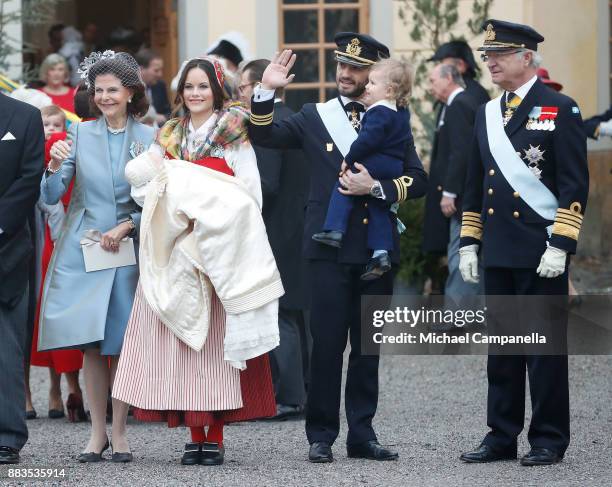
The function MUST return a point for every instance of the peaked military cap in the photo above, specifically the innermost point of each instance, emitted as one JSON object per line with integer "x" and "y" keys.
{"x": 359, "y": 49}
{"x": 501, "y": 36}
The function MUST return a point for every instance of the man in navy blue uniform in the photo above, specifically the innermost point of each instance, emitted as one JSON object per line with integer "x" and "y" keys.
{"x": 325, "y": 132}
{"x": 525, "y": 198}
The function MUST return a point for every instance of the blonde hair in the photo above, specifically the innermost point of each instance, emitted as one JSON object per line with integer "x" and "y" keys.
{"x": 400, "y": 76}
{"x": 52, "y": 111}
{"x": 49, "y": 62}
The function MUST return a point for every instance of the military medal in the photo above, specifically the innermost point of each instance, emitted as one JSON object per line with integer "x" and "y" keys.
{"x": 355, "y": 122}
{"x": 542, "y": 118}
{"x": 533, "y": 155}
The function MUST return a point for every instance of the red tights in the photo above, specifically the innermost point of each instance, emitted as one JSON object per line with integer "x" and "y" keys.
{"x": 213, "y": 435}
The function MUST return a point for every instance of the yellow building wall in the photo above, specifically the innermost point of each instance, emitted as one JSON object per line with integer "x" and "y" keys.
{"x": 232, "y": 15}
{"x": 569, "y": 50}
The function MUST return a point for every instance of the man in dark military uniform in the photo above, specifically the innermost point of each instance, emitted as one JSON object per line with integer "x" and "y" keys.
{"x": 325, "y": 132}
{"x": 599, "y": 125}
{"x": 524, "y": 204}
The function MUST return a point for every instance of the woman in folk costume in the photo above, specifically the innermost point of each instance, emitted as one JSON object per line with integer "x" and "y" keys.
{"x": 90, "y": 310}
{"x": 161, "y": 371}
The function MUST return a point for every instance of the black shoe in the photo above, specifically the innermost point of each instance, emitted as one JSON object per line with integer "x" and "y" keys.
{"x": 56, "y": 413}
{"x": 212, "y": 454}
{"x": 485, "y": 454}
{"x": 193, "y": 454}
{"x": 320, "y": 452}
{"x": 540, "y": 456}
{"x": 93, "y": 457}
{"x": 376, "y": 267}
{"x": 8, "y": 455}
{"x": 31, "y": 414}
{"x": 286, "y": 411}
{"x": 372, "y": 450}
{"x": 121, "y": 457}
{"x": 333, "y": 238}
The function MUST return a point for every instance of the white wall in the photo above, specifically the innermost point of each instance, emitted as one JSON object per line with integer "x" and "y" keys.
{"x": 15, "y": 32}
{"x": 192, "y": 28}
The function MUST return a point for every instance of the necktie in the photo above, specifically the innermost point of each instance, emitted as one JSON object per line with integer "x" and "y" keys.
{"x": 354, "y": 110}
{"x": 512, "y": 103}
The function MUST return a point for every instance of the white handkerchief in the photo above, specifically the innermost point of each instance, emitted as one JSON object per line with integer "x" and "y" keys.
{"x": 8, "y": 136}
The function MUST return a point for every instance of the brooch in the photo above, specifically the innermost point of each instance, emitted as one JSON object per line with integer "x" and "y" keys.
{"x": 217, "y": 151}
{"x": 136, "y": 148}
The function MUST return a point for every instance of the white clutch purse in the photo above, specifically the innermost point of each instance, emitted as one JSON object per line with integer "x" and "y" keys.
{"x": 97, "y": 259}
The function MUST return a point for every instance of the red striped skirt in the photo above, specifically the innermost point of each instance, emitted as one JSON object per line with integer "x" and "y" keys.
{"x": 165, "y": 380}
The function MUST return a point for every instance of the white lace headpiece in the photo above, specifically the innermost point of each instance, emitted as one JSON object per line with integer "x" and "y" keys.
{"x": 125, "y": 67}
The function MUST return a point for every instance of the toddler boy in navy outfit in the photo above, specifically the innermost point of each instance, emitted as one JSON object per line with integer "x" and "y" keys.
{"x": 380, "y": 147}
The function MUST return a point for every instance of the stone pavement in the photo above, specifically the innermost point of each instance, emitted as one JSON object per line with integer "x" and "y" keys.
{"x": 431, "y": 409}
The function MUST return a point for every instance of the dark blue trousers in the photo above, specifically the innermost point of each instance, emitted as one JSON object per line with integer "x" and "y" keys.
{"x": 335, "y": 315}
{"x": 548, "y": 374}
{"x": 380, "y": 229}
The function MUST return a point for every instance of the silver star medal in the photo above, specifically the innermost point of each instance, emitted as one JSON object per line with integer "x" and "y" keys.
{"x": 533, "y": 156}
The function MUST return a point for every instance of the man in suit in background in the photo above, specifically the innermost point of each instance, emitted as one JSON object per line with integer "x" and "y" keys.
{"x": 459, "y": 54}
{"x": 152, "y": 71}
{"x": 447, "y": 172}
{"x": 22, "y": 159}
{"x": 284, "y": 183}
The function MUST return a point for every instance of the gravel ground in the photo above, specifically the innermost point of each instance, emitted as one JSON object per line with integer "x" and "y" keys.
{"x": 430, "y": 409}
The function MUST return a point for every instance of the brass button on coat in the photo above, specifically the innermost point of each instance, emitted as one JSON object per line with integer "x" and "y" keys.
{"x": 491, "y": 172}
{"x": 365, "y": 205}
{"x": 365, "y": 221}
{"x": 491, "y": 211}
{"x": 439, "y": 188}
{"x": 490, "y": 191}
{"x": 516, "y": 194}
{"x": 515, "y": 214}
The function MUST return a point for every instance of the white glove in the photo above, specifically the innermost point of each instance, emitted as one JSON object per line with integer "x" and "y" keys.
{"x": 605, "y": 128}
{"x": 552, "y": 263}
{"x": 468, "y": 263}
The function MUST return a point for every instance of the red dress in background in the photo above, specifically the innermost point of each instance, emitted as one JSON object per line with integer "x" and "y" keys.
{"x": 63, "y": 360}
{"x": 65, "y": 101}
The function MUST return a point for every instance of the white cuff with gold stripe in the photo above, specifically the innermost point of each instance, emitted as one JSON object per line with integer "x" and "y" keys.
{"x": 471, "y": 226}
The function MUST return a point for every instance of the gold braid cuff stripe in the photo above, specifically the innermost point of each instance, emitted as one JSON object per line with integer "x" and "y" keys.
{"x": 470, "y": 231}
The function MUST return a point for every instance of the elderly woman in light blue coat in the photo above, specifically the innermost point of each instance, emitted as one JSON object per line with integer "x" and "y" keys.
{"x": 90, "y": 310}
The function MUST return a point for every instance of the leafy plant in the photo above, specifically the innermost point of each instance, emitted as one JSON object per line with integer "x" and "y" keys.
{"x": 431, "y": 23}
{"x": 33, "y": 12}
